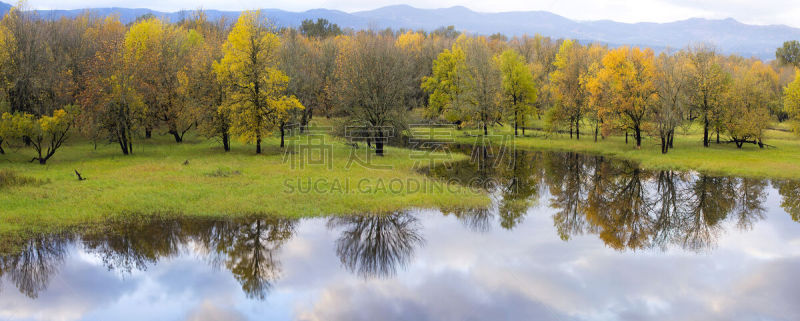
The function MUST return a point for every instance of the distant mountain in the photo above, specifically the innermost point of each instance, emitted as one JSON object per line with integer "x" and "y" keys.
{"x": 729, "y": 35}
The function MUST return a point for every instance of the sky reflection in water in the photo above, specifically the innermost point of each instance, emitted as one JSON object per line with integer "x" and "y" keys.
{"x": 570, "y": 237}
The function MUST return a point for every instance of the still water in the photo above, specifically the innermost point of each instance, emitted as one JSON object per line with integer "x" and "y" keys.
{"x": 568, "y": 237}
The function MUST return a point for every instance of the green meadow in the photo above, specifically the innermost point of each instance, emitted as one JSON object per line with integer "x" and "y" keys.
{"x": 197, "y": 178}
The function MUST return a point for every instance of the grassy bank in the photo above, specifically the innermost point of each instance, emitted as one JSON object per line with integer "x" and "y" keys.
{"x": 197, "y": 178}
{"x": 781, "y": 160}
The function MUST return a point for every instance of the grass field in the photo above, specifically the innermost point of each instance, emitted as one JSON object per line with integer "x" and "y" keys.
{"x": 157, "y": 180}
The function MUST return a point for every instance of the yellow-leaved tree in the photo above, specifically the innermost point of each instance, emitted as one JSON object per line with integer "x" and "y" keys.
{"x": 160, "y": 53}
{"x": 626, "y": 87}
{"x": 745, "y": 115}
{"x": 255, "y": 88}
{"x": 46, "y": 133}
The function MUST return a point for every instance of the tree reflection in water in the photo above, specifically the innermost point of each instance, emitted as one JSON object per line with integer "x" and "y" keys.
{"x": 133, "y": 246}
{"x": 370, "y": 246}
{"x": 790, "y": 192}
{"x": 624, "y": 206}
{"x": 630, "y": 208}
{"x": 30, "y": 269}
{"x": 375, "y": 246}
{"x": 246, "y": 247}
{"x": 249, "y": 250}
{"x": 513, "y": 175}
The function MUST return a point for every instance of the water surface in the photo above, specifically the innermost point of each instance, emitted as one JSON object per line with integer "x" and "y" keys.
{"x": 568, "y": 237}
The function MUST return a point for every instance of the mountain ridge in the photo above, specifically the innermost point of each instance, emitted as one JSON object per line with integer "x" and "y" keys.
{"x": 729, "y": 35}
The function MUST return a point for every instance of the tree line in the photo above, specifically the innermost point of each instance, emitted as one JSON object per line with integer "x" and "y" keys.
{"x": 612, "y": 90}
{"x": 246, "y": 79}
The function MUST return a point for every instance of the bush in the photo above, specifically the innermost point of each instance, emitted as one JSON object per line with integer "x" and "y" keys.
{"x": 9, "y": 178}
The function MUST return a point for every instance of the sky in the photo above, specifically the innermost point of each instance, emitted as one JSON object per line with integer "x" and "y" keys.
{"x": 761, "y": 12}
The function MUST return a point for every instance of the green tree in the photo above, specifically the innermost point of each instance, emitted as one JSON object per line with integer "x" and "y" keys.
{"x": 322, "y": 28}
{"x": 255, "y": 88}
{"x": 518, "y": 88}
{"x": 447, "y": 32}
{"x": 540, "y": 52}
{"x": 446, "y": 84}
{"x": 791, "y": 99}
{"x": 480, "y": 103}
{"x": 789, "y": 53}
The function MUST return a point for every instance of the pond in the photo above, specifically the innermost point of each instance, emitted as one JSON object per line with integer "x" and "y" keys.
{"x": 568, "y": 237}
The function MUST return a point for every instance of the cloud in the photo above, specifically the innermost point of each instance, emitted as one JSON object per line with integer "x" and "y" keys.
{"x": 208, "y": 311}
{"x": 73, "y": 292}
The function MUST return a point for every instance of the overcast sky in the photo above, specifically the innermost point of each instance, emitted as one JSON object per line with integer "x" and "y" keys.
{"x": 748, "y": 11}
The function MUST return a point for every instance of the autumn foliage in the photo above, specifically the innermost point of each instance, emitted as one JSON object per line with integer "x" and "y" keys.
{"x": 247, "y": 79}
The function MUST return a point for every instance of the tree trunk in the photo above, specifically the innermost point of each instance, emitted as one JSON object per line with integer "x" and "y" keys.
{"x": 638, "y": 132}
{"x": 515, "y": 123}
{"x": 596, "y": 131}
{"x": 124, "y": 146}
{"x": 570, "y": 130}
{"x": 258, "y": 144}
{"x": 670, "y": 138}
{"x": 705, "y": 131}
{"x": 577, "y": 129}
{"x": 226, "y": 142}
{"x": 122, "y": 139}
{"x": 379, "y": 143}
{"x": 304, "y": 119}
{"x": 485, "y": 130}
{"x": 282, "y": 134}
{"x": 717, "y": 136}
{"x": 1, "y": 148}
{"x": 664, "y": 145}
{"x": 626, "y": 137}
{"x": 178, "y": 138}
{"x": 148, "y": 132}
